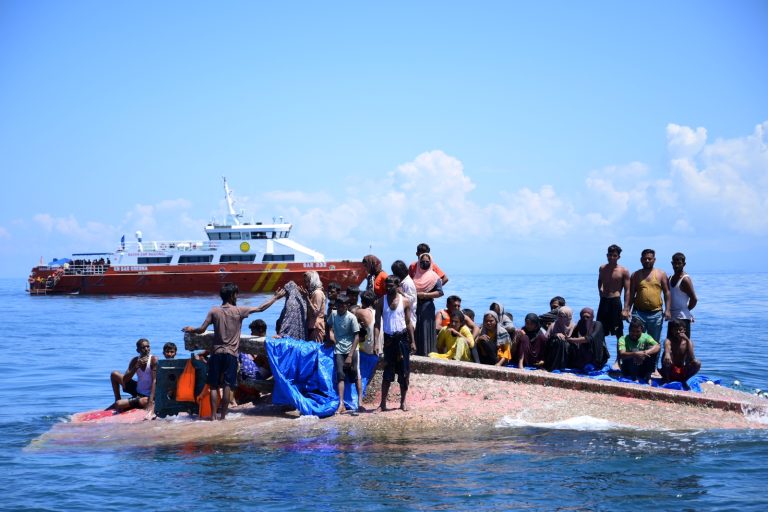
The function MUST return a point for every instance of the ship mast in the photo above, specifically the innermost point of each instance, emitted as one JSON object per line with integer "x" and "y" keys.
{"x": 233, "y": 218}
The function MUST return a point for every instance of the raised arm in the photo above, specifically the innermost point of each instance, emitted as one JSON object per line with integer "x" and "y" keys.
{"x": 279, "y": 294}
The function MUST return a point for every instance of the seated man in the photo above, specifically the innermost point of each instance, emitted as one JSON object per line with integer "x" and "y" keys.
{"x": 679, "y": 362}
{"x": 443, "y": 317}
{"x": 455, "y": 341}
{"x": 142, "y": 390}
{"x": 169, "y": 350}
{"x": 637, "y": 352}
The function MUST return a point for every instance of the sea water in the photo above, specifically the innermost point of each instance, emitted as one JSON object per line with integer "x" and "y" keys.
{"x": 57, "y": 353}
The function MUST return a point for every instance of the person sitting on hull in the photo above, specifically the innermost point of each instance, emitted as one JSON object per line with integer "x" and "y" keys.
{"x": 142, "y": 390}
{"x": 679, "y": 362}
{"x": 637, "y": 352}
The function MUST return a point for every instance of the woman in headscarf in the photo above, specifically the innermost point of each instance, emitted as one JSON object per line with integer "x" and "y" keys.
{"x": 315, "y": 306}
{"x": 505, "y": 319}
{"x": 494, "y": 342}
{"x": 293, "y": 318}
{"x": 531, "y": 342}
{"x": 376, "y": 276}
{"x": 428, "y": 288}
{"x": 588, "y": 342}
{"x": 558, "y": 347}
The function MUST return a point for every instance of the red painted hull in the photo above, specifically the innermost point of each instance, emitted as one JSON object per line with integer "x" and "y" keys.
{"x": 186, "y": 279}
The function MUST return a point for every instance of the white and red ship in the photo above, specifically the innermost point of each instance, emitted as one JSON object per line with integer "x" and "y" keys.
{"x": 257, "y": 257}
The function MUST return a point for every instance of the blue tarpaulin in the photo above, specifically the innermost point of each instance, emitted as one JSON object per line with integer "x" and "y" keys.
{"x": 605, "y": 373}
{"x": 304, "y": 376}
{"x": 58, "y": 262}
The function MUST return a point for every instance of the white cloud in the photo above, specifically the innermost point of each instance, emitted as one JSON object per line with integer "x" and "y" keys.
{"x": 683, "y": 141}
{"x": 71, "y": 228}
{"x": 708, "y": 185}
{"x": 725, "y": 181}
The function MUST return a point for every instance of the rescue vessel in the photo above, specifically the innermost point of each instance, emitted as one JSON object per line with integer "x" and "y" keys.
{"x": 258, "y": 257}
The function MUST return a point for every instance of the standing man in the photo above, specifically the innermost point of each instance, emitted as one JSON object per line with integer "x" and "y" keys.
{"x": 393, "y": 316}
{"x": 424, "y": 249}
{"x": 683, "y": 296}
{"x": 646, "y": 287}
{"x": 227, "y": 321}
{"x": 612, "y": 279}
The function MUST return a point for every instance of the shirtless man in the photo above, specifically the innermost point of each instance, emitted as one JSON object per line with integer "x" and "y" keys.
{"x": 365, "y": 315}
{"x": 679, "y": 362}
{"x": 682, "y": 293}
{"x": 393, "y": 316}
{"x": 443, "y": 317}
{"x": 612, "y": 279}
{"x": 646, "y": 287}
{"x": 142, "y": 390}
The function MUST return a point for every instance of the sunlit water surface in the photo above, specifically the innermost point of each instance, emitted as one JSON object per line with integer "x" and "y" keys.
{"x": 58, "y": 352}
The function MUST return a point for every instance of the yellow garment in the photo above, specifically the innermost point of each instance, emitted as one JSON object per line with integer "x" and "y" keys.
{"x": 505, "y": 351}
{"x": 454, "y": 347}
{"x": 648, "y": 296}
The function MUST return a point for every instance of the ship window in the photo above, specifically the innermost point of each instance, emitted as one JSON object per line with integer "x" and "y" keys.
{"x": 214, "y": 236}
{"x": 235, "y": 235}
{"x": 258, "y": 235}
{"x": 243, "y": 258}
{"x": 274, "y": 234}
{"x": 154, "y": 260}
{"x": 195, "y": 258}
{"x": 278, "y": 257}
{"x": 246, "y": 235}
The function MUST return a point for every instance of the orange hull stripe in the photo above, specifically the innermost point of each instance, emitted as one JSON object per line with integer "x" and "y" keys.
{"x": 260, "y": 281}
{"x": 280, "y": 268}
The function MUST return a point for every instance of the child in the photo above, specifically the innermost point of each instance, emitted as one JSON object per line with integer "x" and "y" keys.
{"x": 679, "y": 363}
{"x": 343, "y": 331}
{"x": 169, "y": 350}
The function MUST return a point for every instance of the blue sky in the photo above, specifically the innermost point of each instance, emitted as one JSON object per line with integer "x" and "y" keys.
{"x": 511, "y": 136}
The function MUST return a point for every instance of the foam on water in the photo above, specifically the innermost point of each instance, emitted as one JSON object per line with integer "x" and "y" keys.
{"x": 580, "y": 423}
{"x": 756, "y": 415}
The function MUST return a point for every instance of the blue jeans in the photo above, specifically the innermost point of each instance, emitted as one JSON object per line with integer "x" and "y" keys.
{"x": 653, "y": 322}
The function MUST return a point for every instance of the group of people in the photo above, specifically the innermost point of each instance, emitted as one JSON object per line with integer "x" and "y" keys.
{"x": 395, "y": 317}
{"x": 553, "y": 340}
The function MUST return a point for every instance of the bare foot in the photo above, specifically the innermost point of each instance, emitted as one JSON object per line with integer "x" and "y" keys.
{"x": 382, "y": 407}
{"x": 403, "y": 407}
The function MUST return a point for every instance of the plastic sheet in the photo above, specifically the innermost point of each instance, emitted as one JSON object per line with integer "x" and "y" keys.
{"x": 304, "y": 376}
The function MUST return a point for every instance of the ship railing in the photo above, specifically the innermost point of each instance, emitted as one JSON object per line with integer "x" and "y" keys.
{"x": 85, "y": 269}
{"x": 184, "y": 245}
